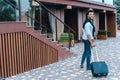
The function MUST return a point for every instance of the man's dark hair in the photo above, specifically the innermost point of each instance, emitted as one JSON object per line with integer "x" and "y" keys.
{"x": 90, "y": 10}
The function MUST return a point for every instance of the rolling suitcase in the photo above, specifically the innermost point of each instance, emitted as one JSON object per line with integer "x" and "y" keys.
{"x": 98, "y": 68}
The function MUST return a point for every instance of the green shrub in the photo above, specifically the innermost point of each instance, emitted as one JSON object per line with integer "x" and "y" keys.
{"x": 119, "y": 27}
{"x": 104, "y": 32}
{"x": 50, "y": 35}
{"x": 65, "y": 36}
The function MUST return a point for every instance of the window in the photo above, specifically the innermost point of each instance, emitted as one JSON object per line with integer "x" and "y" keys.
{"x": 105, "y": 1}
{"x": 108, "y": 2}
{"x": 98, "y": 0}
{"x": 7, "y": 10}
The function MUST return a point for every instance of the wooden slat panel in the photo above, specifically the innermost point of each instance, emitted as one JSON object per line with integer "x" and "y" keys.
{"x": 4, "y": 55}
{"x": 21, "y": 52}
{"x": 48, "y": 54}
{"x": 32, "y": 51}
{"x": 41, "y": 53}
{"x": 38, "y": 53}
{"x": 10, "y": 55}
{"x": 44, "y": 60}
{"x": 7, "y": 54}
{"x": 35, "y": 53}
{"x": 23, "y": 59}
{"x": 1, "y": 58}
{"x": 25, "y": 53}
{"x": 47, "y": 47}
{"x": 28, "y": 51}
{"x": 15, "y": 53}
{"x": 18, "y": 51}
{"x": 40, "y": 56}
{"x": 30, "y": 43}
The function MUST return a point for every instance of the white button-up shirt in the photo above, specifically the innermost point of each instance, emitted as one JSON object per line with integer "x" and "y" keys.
{"x": 88, "y": 30}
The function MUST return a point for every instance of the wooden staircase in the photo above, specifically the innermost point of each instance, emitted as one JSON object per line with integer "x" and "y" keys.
{"x": 22, "y": 48}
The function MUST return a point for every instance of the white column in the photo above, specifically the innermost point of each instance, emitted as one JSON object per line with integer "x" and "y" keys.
{"x": 105, "y": 21}
{"x": 79, "y": 25}
{"x": 52, "y": 23}
{"x": 96, "y": 22}
{"x": 62, "y": 18}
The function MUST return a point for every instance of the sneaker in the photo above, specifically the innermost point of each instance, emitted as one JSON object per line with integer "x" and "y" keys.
{"x": 81, "y": 66}
{"x": 89, "y": 68}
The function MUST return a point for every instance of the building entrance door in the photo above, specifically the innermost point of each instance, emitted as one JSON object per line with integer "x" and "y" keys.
{"x": 71, "y": 19}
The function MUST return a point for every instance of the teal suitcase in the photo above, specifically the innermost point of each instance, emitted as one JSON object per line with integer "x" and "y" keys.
{"x": 98, "y": 68}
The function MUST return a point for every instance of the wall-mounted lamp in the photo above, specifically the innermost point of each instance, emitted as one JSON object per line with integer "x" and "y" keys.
{"x": 34, "y": 3}
{"x": 68, "y": 7}
{"x": 104, "y": 11}
{"x": 115, "y": 12}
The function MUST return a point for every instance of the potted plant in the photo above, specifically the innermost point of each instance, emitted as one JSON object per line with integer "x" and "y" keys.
{"x": 64, "y": 37}
{"x": 102, "y": 34}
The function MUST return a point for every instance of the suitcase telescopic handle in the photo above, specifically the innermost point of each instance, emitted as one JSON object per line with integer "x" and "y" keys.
{"x": 94, "y": 52}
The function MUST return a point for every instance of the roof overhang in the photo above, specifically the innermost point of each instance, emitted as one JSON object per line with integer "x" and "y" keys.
{"x": 82, "y": 3}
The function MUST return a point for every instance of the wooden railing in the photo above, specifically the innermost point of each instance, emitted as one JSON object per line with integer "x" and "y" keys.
{"x": 21, "y": 50}
{"x": 67, "y": 27}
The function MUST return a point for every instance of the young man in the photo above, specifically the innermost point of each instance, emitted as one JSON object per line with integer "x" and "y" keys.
{"x": 88, "y": 37}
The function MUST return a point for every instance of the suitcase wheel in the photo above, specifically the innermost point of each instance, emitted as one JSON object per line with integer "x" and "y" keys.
{"x": 105, "y": 74}
{"x": 98, "y": 75}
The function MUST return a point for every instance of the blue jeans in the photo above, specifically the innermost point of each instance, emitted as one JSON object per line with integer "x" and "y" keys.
{"x": 86, "y": 54}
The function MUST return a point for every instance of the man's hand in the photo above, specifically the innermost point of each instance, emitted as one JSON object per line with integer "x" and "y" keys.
{"x": 92, "y": 45}
{"x": 91, "y": 41}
